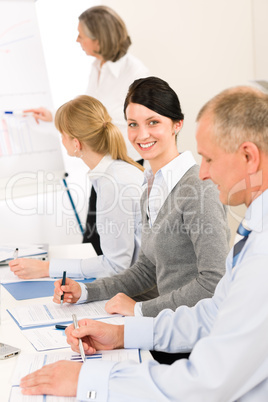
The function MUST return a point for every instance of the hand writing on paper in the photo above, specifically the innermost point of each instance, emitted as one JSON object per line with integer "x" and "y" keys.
{"x": 28, "y": 268}
{"x": 40, "y": 113}
{"x": 60, "y": 378}
{"x": 95, "y": 336}
{"x": 72, "y": 291}
{"x": 120, "y": 304}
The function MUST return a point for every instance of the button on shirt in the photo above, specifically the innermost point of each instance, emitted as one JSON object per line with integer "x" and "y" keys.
{"x": 118, "y": 185}
{"x": 160, "y": 186}
{"x": 230, "y": 359}
{"x": 109, "y": 84}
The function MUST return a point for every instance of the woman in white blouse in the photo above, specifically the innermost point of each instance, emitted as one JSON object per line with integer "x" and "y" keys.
{"x": 103, "y": 35}
{"x": 87, "y": 132}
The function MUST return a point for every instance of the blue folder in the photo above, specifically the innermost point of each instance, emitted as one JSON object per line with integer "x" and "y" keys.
{"x": 33, "y": 289}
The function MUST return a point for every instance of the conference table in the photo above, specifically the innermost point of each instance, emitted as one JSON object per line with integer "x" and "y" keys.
{"x": 10, "y": 332}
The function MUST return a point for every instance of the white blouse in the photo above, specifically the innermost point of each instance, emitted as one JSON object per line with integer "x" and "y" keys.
{"x": 118, "y": 185}
{"x": 109, "y": 84}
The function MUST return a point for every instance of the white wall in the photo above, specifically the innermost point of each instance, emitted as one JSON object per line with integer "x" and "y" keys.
{"x": 68, "y": 67}
{"x": 260, "y": 35}
{"x": 199, "y": 46}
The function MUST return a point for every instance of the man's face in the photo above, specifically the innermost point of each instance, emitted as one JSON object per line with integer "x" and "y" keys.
{"x": 225, "y": 169}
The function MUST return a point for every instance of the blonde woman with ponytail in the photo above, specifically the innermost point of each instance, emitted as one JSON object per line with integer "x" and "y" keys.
{"x": 88, "y": 133}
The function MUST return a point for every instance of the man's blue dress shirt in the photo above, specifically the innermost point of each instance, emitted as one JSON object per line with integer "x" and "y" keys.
{"x": 228, "y": 334}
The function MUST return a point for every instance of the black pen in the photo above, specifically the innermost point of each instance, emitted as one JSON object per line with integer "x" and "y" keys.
{"x": 62, "y": 284}
{"x": 60, "y": 326}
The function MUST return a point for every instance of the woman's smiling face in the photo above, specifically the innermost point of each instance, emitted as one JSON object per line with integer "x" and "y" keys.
{"x": 152, "y": 134}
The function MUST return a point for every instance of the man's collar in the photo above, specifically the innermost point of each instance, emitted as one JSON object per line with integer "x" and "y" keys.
{"x": 256, "y": 212}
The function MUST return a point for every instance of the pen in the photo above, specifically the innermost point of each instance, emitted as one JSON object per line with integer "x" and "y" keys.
{"x": 15, "y": 255}
{"x": 82, "y": 352}
{"x": 59, "y": 326}
{"x": 14, "y": 112}
{"x": 62, "y": 284}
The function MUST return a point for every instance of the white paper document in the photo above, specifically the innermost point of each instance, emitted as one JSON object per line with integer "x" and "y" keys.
{"x": 7, "y": 251}
{"x": 46, "y": 338}
{"x": 34, "y": 315}
{"x": 50, "y": 338}
{"x": 27, "y": 363}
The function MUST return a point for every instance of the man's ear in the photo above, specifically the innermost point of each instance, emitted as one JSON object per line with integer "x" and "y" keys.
{"x": 251, "y": 153}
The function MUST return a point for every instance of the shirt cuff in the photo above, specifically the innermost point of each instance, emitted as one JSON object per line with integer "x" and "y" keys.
{"x": 72, "y": 268}
{"x": 83, "y": 297}
{"x": 139, "y": 333}
{"x": 138, "y": 310}
{"x": 93, "y": 380}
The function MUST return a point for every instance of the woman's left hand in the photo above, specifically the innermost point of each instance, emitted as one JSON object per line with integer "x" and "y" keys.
{"x": 120, "y": 304}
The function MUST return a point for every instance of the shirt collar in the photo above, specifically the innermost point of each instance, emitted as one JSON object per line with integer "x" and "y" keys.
{"x": 113, "y": 66}
{"x": 256, "y": 212}
{"x": 101, "y": 167}
{"x": 173, "y": 172}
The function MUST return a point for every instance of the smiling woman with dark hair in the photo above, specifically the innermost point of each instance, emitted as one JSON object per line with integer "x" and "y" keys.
{"x": 184, "y": 227}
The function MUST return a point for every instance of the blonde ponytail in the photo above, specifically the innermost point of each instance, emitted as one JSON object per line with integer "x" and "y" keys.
{"x": 117, "y": 146}
{"x": 86, "y": 119}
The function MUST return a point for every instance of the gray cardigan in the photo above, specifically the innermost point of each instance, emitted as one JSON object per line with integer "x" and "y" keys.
{"x": 183, "y": 253}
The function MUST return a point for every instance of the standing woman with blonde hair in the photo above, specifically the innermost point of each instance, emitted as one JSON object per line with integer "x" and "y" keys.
{"x": 88, "y": 133}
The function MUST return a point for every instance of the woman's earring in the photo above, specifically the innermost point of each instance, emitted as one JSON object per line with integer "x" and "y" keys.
{"x": 78, "y": 156}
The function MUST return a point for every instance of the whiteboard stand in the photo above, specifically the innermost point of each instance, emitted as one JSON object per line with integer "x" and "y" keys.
{"x": 72, "y": 203}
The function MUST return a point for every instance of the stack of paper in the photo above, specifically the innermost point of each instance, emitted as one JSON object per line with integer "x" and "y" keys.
{"x": 35, "y": 315}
